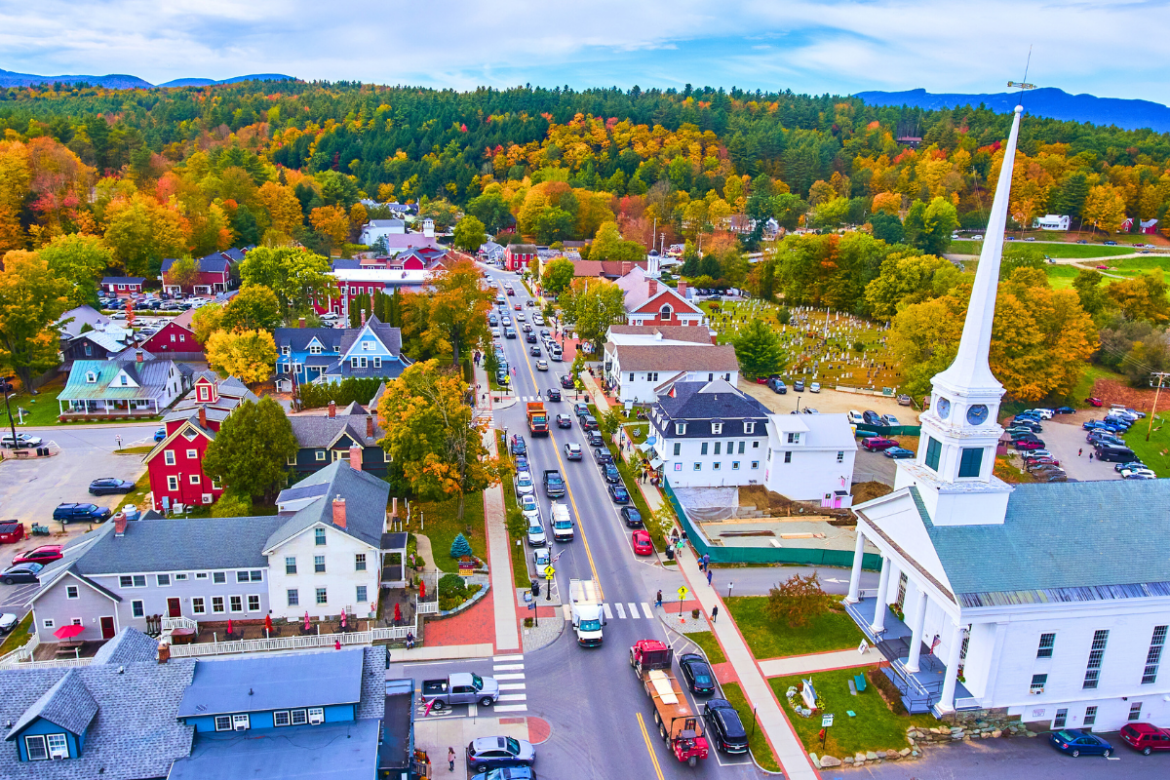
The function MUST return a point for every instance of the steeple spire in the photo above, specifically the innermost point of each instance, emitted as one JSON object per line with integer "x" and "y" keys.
{"x": 970, "y": 368}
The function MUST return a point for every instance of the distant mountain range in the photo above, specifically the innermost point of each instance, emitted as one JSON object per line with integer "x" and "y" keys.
{"x": 1046, "y": 102}
{"x": 123, "y": 81}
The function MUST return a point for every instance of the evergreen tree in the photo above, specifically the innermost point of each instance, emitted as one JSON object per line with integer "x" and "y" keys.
{"x": 460, "y": 548}
{"x": 758, "y": 350}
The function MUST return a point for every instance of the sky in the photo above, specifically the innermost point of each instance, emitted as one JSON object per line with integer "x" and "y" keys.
{"x": 1108, "y": 48}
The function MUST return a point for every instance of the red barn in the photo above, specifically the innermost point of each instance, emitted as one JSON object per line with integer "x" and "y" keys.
{"x": 176, "y": 463}
{"x": 174, "y": 341}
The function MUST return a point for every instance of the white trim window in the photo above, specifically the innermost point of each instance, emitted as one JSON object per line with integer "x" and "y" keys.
{"x": 223, "y": 722}
{"x": 241, "y": 721}
{"x": 716, "y": 428}
{"x": 680, "y": 429}
{"x": 192, "y": 454}
{"x": 749, "y": 427}
{"x": 236, "y": 603}
{"x": 253, "y": 603}
{"x": 217, "y": 605}
{"x": 138, "y": 608}
{"x": 169, "y": 457}
{"x": 72, "y": 592}
{"x": 197, "y": 606}
{"x": 164, "y": 580}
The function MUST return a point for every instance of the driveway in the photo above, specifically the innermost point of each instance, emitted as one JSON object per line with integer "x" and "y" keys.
{"x": 1065, "y": 440}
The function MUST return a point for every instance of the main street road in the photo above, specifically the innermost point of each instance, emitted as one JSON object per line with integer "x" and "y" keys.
{"x": 603, "y": 723}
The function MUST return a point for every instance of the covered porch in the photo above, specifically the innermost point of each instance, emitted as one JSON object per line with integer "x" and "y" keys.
{"x": 91, "y": 409}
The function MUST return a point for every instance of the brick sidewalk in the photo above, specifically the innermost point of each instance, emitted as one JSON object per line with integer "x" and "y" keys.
{"x": 474, "y": 626}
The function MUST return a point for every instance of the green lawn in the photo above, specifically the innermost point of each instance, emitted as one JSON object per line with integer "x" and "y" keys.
{"x": 42, "y": 408}
{"x": 710, "y": 645}
{"x": 441, "y": 526}
{"x": 1155, "y": 453}
{"x": 758, "y": 743}
{"x": 833, "y": 630}
{"x": 1063, "y": 251}
{"x": 875, "y": 726}
{"x": 19, "y": 637}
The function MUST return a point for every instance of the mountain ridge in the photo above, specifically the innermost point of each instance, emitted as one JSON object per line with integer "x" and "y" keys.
{"x": 1048, "y": 102}
{"x": 10, "y": 78}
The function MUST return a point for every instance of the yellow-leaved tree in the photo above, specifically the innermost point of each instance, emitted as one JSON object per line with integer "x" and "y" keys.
{"x": 248, "y": 354}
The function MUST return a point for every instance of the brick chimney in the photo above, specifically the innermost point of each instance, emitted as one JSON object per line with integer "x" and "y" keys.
{"x": 164, "y": 652}
{"x": 339, "y": 512}
{"x": 355, "y": 457}
{"x": 682, "y": 288}
{"x": 301, "y": 322}
{"x": 138, "y": 356}
{"x": 370, "y": 426}
{"x": 202, "y": 416}
{"x": 653, "y": 288}
{"x": 332, "y": 408}
{"x": 120, "y": 525}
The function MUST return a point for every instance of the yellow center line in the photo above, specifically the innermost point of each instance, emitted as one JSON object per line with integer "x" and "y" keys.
{"x": 649, "y": 747}
{"x": 565, "y": 474}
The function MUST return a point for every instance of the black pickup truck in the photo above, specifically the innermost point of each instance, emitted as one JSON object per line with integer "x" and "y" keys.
{"x": 554, "y": 484}
{"x": 82, "y": 513}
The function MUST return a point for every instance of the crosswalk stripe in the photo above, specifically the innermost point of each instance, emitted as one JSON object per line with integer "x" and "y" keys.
{"x": 513, "y": 686}
{"x": 646, "y": 611}
{"x": 608, "y": 612}
{"x": 621, "y": 610}
{"x": 509, "y": 676}
{"x": 472, "y": 710}
{"x": 502, "y": 658}
{"x": 511, "y": 708}
{"x": 513, "y": 697}
{"x": 507, "y": 667}
{"x": 634, "y": 611}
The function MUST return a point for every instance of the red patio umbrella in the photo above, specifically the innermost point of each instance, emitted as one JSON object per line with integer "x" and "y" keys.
{"x": 343, "y": 620}
{"x": 397, "y": 613}
{"x": 422, "y": 589}
{"x": 229, "y": 625}
{"x": 68, "y": 632}
{"x": 268, "y": 622}
{"x": 306, "y": 620}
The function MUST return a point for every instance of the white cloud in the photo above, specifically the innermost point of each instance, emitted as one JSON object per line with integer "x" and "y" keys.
{"x": 1107, "y": 48}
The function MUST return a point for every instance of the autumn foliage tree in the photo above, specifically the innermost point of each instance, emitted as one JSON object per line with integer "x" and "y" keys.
{"x": 31, "y": 300}
{"x": 452, "y": 318}
{"x": 797, "y": 601}
{"x": 248, "y": 354}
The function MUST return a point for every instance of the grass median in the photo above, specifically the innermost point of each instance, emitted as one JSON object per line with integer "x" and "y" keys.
{"x": 710, "y": 645}
{"x": 519, "y": 565}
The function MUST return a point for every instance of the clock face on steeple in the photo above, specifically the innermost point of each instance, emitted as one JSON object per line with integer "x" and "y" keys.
{"x": 977, "y": 414}
{"x": 942, "y": 408}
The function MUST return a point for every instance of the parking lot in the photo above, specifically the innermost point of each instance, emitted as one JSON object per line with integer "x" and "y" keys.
{"x": 1065, "y": 439}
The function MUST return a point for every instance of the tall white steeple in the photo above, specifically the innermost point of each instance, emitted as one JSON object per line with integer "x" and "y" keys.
{"x": 956, "y": 453}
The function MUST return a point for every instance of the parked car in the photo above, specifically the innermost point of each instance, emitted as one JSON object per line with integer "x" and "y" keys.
{"x": 21, "y": 441}
{"x": 588, "y": 422}
{"x": 518, "y": 445}
{"x": 854, "y": 417}
{"x": 1077, "y": 743}
{"x": 815, "y": 387}
{"x": 8, "y": 621}
{"x": 798, "y": 386}
{"x": 631, "y": 516}
{"x": 1144, "y": 737}
{"x": 724, "y": 727}
{"x": 778, "y": 386}
{"x": 870, "y": 417}
{"x": 697, "y": 673}
{"x": 905, "y": 400}
{"x": 899, "y": 452}
{"x": 1139, "y": 474}
{"x": 580, "y": 408}
{"x": 110, "y": 486}
{"x": 889, "y": 420}
{"x": 529, "y": 506}
{"x": 486, "y": 753}
{"x": 524, "y": 484}
{"x": 877, "y": 443}
{"x": 1028, "y": 444}
{"x": 44, "y": 554}
{"x": 1093, "y": 401}
{"x": 611, "y": 474}
{"x": 602, "y": 457}
{"x": 1135, "y": 464}
{"x": 619, "y": 494}
{"x": 566, "y": 381}
{"x": 81, "y": 512}
{"x": 1064, "y": 410}
{"x": 595, "y": 439}
{"x": 22, "y": 572}
{"x": 641, "y": 542}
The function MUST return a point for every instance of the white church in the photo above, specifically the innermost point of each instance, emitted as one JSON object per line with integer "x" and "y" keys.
{"x": 1047, "y": 601}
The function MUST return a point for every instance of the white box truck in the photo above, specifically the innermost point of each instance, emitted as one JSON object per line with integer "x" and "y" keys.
{"x": 562, "y": 522}
{"x": 588, "y": 617}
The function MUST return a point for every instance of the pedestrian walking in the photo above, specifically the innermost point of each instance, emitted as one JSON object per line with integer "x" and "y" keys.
{"x": 714, "y": 614}
{"x": 1090, "y": 457}
{"x": 709, "y": 573}
{"x": 706, "y": 560}
{"x": 450, "y": 759}
{"x": 1080, "y": 452}
{"x": 658, "y": 599}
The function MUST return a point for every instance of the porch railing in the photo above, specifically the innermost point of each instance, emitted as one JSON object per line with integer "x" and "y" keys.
{"x": 20, "y": 654}
{"x": 171, "y": 623}
{"x": 291, "y": 643}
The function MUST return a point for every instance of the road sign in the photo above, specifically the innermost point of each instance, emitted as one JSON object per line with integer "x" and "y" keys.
{"x": 682, "y": 592}
{"x": 549, "y": 571}
{"x": 826, "y": 721}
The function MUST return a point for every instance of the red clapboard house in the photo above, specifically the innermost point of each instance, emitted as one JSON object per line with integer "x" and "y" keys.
{"x": 176, "y": 463}
{"x": 174, "y": 341}
{"x": 650, "y": 302}
{"x": 214, "y": 275}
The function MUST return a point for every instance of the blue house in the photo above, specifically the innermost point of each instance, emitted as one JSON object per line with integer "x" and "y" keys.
{"x": 310, "y": 355}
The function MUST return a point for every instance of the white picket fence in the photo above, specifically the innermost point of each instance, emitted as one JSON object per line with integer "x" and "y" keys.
{"x": 291, "y": 642}
{"x": 426, "y": 607}
{"x": 20, "y": 654}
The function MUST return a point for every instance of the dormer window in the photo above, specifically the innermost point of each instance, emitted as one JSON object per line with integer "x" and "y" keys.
{"x": 680, "y": 429}
{"x": 664, "y": 313}
{"x": 204, "y": 393}
{"x": 749, "y": 427}
{"x": 90, "y": 377}
{"x": 315, "y": 349}
{"x": 716, "y": 428}
{"x": 125, "y": 381}
{"x": 284, "y": 350}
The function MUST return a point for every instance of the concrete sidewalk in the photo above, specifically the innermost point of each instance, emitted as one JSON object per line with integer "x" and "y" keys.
{"x": 439, "y": 653}
{"x": 499, "y": 557}
{"x": 818, "y": 662}
{"x": 785, "y": 744}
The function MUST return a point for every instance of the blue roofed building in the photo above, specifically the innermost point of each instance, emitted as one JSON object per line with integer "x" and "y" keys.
{"x": 1048, "y": 601}
{"x": 310, "y": 355}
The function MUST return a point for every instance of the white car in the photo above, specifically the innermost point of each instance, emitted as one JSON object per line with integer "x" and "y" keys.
{"x": 22, "y": 440}
{"x": 541, "y": 557}
{"x": 520, "y": 317}
{"x": 1045, "y": 413}
{"x": 529, "y": 507}
{"x": 524, "y": 484}
{"x": 815, "y": 387}
{"x": 855, "y": 417}
{"x": 1138, "y": 474}
{"x": 537, "y": 319}
{"x": 329, "y": 316}
{"x": 8, "y": 621}
{"x": 542, "y": 365}
{"x": 536, "y": 536}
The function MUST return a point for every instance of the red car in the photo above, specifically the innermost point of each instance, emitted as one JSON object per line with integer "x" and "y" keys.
{"x": 1094, "y": 402}
{"x": 642, "y": 543}
{"x": 876, "y": 443}
{"x": 1028, "y": 444}
{"x": 1145, "y": 737}
{"x": 42, "y": 555}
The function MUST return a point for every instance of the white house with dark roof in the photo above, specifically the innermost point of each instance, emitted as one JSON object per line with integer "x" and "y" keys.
{"x": 1049, "y": 601}
{"x": 640, "y": 360}
{"x": 320, "y": 554}
{"x": 811, "y": 458}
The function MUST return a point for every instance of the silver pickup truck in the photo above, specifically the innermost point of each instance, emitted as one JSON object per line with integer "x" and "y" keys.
{"x": 462, "y": 688}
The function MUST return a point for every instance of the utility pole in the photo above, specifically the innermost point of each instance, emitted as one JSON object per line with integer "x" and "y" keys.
{"x": 1160, "y": 376}
{"x": 7, "y": 387}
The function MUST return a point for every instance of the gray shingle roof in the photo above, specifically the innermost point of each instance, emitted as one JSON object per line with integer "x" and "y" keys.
{"x": 676, "y": 357}
{"x": 318, "y": 431}
{"x": 123, "y": 279}
{"x": 128, "y": 646}
{"x": 297, "y": 339}
{"x": 1063, "y": 535}
{"x": 390, "y": 337}
{"x": 274, "y": 682}
{"x": 178, "y": 544}
{"x": 135, "y": 733}
{"x": 68, "y": 704}
{"x": 365, "y": 505}
{"x": 706, "y": 401}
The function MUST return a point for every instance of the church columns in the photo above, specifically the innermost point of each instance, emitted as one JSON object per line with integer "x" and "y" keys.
{"x": 954, "y": 647}
{"x": 879, "y": 609}
{"x": 916, "y": 639}
{"x": 855, "y": 574}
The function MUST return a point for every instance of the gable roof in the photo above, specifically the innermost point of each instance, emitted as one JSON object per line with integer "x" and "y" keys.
{"x": 320, "y": 431}
{"x": 274, "y": 682}
{"x": 216, "y": 262}
{"x": 389, "y": 337}
{"x": 636, "y": 288}
{"x": 68, "y": 704}
{"x": 123, "y": 279}
{"x": 297, "y": 339}
{"x": 151, "y": 376}
{"x": 637, "y": 334}
{"x": 675, "y": 357}
{"x": 81, "y": 316}
{"x": 107, "y": 341}
{"x": 365, "y": 505}
{"x": 127, "y": 646}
